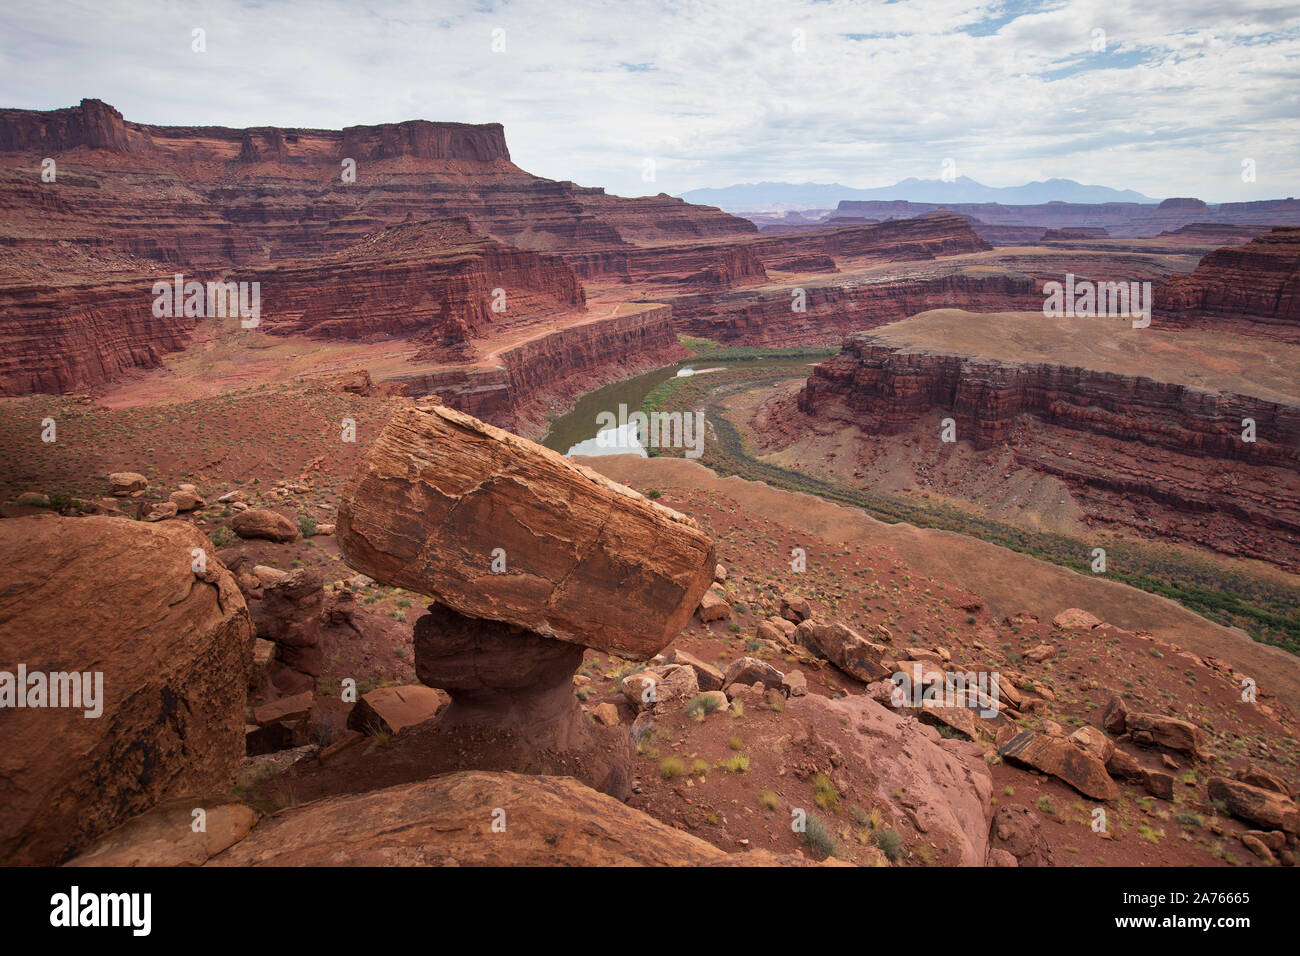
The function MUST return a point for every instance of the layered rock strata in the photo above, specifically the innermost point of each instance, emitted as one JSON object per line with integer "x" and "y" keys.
{"x": 1104, "y": 433}
{"x": 1252, "y": 288}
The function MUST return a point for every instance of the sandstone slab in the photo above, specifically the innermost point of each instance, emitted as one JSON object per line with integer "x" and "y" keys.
{"x": 1062, "y": 759}
{"x": 448, "y": 821}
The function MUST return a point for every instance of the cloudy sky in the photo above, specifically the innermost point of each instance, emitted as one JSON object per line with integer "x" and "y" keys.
{"x": 1161, "y": 96}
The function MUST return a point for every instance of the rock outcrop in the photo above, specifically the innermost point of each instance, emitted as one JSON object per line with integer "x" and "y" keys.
{"x": 1112, "y": 437}
{"x": 1252, "y": 288}
{"x": 530, "y": 559}
{"x": 478, "y": 819}
{"x": 118, "y": 599}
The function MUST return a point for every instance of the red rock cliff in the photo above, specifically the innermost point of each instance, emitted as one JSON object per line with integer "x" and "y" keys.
{"x": 1248, "y": 288}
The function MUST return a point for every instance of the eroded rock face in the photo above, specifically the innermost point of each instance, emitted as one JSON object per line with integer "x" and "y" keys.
{"x": 100, "y": 594}
{"x": 584, "y": 560}
{"x": 448, "y": 821}
{"x": 501, "y": 676}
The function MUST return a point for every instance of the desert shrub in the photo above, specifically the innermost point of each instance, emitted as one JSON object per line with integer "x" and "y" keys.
{"x": 670, "y": 768}
{"x": 768, "y": 800}
{"x": 736, "y": 763}
{"x": 702, "y": 705}
{"x": 819, "y": 838}
{"x": 307, "y": 525}
{"x": 824, "y": 792}
{"x": 890, "y": 843}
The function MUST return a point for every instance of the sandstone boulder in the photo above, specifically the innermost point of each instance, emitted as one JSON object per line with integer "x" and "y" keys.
{"x": 1159, "y": 730}
{"x": 1062, "y": 759}
{"x": 1076, "y": 619}
{"x": 441, "y": 496}
{"x": 124, "y": 483}
{"x": 1094, "y": 742}
{"x": 187, "y": 498}
{"x": 1264, "y": 808}
{"x": 708, "y": 676}
{"x": 845, "y": 648}
{"x": 1115, "y": 717}
{"x": 117, "y": 598}
{"x": 390, "y": 710}
{"x": 750, "y": 670}
{"x": 1018, "y": 831}
{"x": 658, "y": 685}
{"x": 713, "y": 607}
{"x": 265, "y": 524}
{"x": 795, "y": 608}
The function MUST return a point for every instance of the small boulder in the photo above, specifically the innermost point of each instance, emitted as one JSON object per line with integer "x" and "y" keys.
{"x": 708, "y": 676}
{"x": 390, "y": 710}
{"x": 1115, "y": 717}
{"x": 713, "y": 607}
{"x": 795, "y": 608}
{"x": 1075, "y": 619}
{"x": 122, "y": 484}
{"x": 265, "y": 524}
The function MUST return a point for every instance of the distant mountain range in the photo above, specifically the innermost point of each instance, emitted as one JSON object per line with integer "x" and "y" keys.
{"x": 752, "y": 197}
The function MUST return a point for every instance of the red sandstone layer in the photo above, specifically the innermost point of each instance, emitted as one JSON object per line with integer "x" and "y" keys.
{"x": 1252, "y": 288}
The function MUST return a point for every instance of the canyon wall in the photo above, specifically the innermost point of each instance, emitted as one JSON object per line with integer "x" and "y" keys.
{"x": 538, "y": 377}
{"x": 434, "y": 281}
{"x": 67, "y": 337}
{"x": 831, "y": 311}
{"x": 1252, "y": 288}
{"x": 722, "y": 264}
{"x": 1131, "y": 438}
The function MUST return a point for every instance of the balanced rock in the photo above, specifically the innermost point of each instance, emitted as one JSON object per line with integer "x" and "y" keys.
{"x": 497, "y": 527}
{"x": 163, "y": 651}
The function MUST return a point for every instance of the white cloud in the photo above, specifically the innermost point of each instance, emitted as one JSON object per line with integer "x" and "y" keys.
{"x": 714, "y": 92}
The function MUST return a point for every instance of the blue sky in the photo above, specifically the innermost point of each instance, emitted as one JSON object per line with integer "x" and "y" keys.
{"x": 1167, "y": 98}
